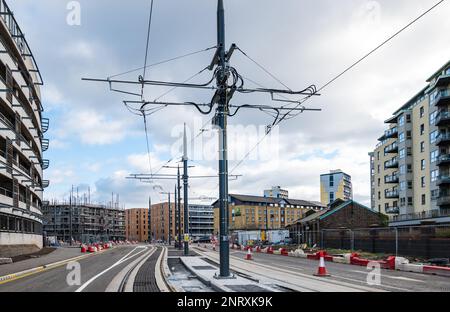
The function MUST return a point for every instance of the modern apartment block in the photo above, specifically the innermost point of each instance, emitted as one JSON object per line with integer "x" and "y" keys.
{"x": 137, "y": 224}
{"x": 276, "y": 192}
{"x": 22, "y": 142}
{"x": 410, "y": 174}
{"x": 85, "y": 223}
{"x": 163, "y": 222}
{"x": 334, "y": 185}
{"x": 201, "y": 221}
{"x": 248, "y": 212}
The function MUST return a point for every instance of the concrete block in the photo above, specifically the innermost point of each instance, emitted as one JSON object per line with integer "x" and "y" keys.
{"x": 340, "y": 260}
{"x": 416, "y": 268}
{"x": 5, "y": 261}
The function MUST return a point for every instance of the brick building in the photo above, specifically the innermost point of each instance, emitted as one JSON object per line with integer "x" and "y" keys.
{"x": 339, "y": 215}
{"x": 136, "y": 224}
{"x": 263, "y": 213}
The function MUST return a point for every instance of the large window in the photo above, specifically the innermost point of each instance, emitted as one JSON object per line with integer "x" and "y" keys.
{"x": 434, "y": 156}
{"x": 401, "y": 153}
{"x": 433, "y": 136}
{"x": 434, "y": 175}
{"x": 433, "y": 116}
{"x": 401, "y": 120}
{"x": 401, "y": 137}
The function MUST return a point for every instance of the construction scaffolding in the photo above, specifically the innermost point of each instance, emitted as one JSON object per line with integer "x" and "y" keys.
{"x": 84, "y": 223}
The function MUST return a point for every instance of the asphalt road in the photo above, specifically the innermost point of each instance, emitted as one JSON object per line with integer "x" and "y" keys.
{"x": 96, "y": 272}
{"x": 356, "y": 275}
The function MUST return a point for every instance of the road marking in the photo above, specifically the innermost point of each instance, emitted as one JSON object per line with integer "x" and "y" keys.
{"x": 121, "y": 260}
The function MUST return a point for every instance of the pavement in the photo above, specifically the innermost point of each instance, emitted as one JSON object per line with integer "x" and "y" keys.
{"x": 297, "y": 274}
{"x": 97, "y": 271}
{"x": 55, "y": 256}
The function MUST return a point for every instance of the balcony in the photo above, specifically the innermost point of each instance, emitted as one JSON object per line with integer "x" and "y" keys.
{"x": 391, "y": 179}
{"x": 443, "y": 179}
{"x": 393, "y": 148}
{"x": 392, "y": 210}
{"x": 442, "y": 119}
{"x": 443, "y": 98}
{"x": 443, "y": 160}
{"x": 443, "y": 200}
{"x": 45, "y": 122}
{"x": 443, "y": 80}
{"x": 45, "y": 164}
{"x": 430, "y": 214}
{"x": 393, "y": 163}
{"x": 392, "y": 194}
{"x": 45, "y": 144}
{"x": 45, "y": 183}
{"x": 443, "y": 139}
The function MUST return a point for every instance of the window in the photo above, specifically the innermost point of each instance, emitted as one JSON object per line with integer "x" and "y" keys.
{"x": 433, "y": 136}
{"x": 422, "y": 129}
{"x": 402, "y": 169}
{"x": 423, "y": 199}
{"x": 408, "y": 135}
{"x": 410, "y": 201}
{"x": 401, "y": 153}
{"x": 410, "y": 185}
{"x": 331, "y": 180}
{"x": 422, "y": 147}
{"x": 403, "y": 186}
{"x": 408, "y": 118}
{"x": 422, "y": 112}
{"x": 422, "y": 164}
{"x": 433, "y": 116}
{"x": 401, "y": 137}
{"x": 401, "y": 120}
{"x": 434, "y": 156}
{"x": 331, "y": 196}
{"x": 434, "y": 175}
{"x": 422, "y": 181}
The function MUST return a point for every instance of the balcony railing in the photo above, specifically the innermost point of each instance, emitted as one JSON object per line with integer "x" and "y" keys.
{"x": 443, "y": 159}
{"x": 443, "y": 97}
{"x": 392, "y": 194}
{"x": 393, "y": 148}
{"x": 391, "y": 133}
{"x": 430, "y": 214}
{"x": 443, "y": 138}
{"x": 392, "y": 210}
{"x": 393, "y": 163}
{"x": 443, "y": 179}
{"x": 443, "y": 200}
{"x": 391, "y": 179}
{"x": 45, "y": 123}
{"x": 442, "y": 118}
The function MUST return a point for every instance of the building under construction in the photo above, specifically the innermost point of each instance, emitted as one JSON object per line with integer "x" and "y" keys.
{"x": 85, "y": 223}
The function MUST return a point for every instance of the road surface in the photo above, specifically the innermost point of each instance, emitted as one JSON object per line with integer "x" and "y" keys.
{"x": 113, "y": 270}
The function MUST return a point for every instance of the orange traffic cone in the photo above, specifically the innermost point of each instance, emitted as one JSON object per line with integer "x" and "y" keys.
{"x": 322, "y": 270}
{"x": 83, "y": 249}
{"x": 249, "y": 256}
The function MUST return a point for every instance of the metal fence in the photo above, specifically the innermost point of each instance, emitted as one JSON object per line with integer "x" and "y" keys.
{"x": 415, "y": 241}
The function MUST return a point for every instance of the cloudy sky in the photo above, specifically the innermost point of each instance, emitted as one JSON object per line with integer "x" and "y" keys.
{"x": 96, "y": 142}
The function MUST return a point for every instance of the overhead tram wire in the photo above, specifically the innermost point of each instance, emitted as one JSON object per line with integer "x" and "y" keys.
{"x": 334, "y": 79}
{"x": 331, "y": 81}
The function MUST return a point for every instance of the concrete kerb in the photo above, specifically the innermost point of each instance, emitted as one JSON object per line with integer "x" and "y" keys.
{"x": 4, "y": 279}
{"x": 205, "y": 281}
{"x": 163, "y": 274}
